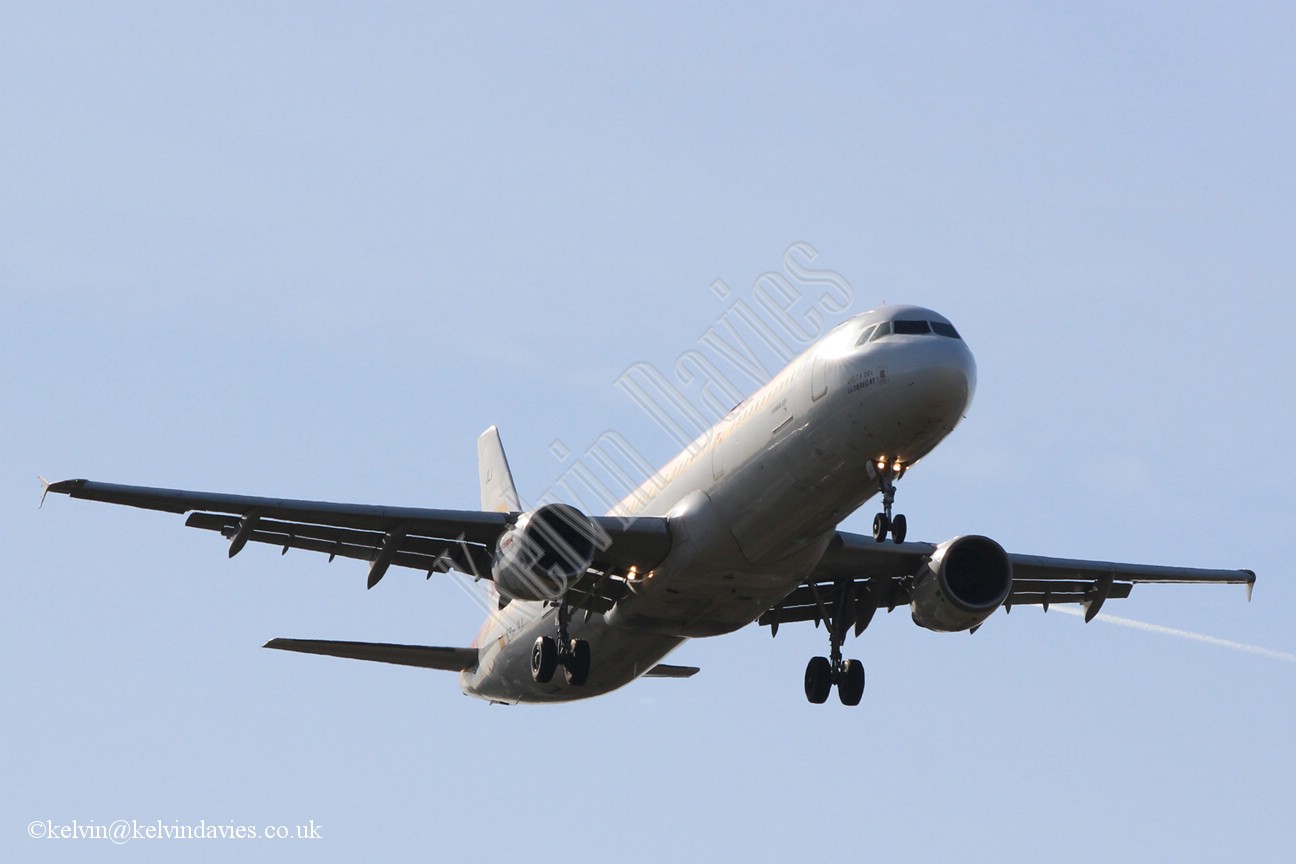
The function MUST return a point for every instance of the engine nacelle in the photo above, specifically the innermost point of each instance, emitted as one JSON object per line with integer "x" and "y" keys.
{"x": 966, "y": 580}
{"x": 543, "y": 553}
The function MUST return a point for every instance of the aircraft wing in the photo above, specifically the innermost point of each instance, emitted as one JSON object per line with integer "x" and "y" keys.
{"x": 421, "y": 539}
{"x": 857, "y": 575}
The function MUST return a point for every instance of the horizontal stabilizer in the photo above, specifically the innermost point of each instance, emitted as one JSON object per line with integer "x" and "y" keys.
{"x": 450, "y": 659}
{"x": 665, "y": 670}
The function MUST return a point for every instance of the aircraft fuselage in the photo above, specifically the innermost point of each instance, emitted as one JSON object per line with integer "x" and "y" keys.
{"x": 753, "y": 502}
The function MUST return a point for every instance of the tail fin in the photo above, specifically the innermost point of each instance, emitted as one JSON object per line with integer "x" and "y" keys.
{"x": 497, "y": 491}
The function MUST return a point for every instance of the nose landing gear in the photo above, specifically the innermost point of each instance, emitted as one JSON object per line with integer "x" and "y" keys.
{"x": 884, "y": 523}
{"x": 548, "y": 653}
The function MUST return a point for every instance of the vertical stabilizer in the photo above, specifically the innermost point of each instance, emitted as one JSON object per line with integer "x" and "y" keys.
{"x": 497, "y": 492}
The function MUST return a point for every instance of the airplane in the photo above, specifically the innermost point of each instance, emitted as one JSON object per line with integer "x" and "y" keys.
{"x": 739, "y": 528}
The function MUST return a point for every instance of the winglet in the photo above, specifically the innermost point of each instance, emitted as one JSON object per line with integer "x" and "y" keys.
{"x": 1250, "y": 583}
{"x": 45, "y": 484}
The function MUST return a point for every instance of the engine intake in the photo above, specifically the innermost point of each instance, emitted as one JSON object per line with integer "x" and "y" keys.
{"x": 544, "y": 553}
{"x": 961, "y": 585}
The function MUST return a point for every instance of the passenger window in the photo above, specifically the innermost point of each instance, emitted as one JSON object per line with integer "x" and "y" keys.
{"x": 912, "y": 328}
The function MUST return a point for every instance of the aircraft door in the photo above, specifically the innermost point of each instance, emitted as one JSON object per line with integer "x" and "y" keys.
{"x": 818, "y": 377}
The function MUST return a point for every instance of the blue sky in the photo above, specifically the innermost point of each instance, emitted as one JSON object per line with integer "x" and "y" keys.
{"x": 312, "y": 250}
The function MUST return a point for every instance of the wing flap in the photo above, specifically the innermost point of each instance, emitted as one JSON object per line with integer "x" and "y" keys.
{"x": 1119, "y": 591}
{"x": 424, "y": 656}
{"x": 420, "y": 553}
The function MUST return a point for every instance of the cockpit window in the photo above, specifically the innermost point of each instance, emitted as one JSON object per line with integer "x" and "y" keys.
{"x": 911, "y": 328}
{"x": 907, "y": 328}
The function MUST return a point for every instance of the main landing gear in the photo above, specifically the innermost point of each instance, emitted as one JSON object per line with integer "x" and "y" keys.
{"x": 572, "y": 654}
{"x": 884, "y": 523}
{"x": 824, "y": 672}
{"x": 821, "y": 674}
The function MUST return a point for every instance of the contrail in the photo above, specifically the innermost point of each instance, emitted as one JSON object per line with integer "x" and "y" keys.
{"x": 1185, "y": 634}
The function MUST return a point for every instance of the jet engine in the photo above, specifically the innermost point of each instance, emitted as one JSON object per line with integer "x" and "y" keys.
{"x": 966, "y": 580}
{"x": 543, "y": 553}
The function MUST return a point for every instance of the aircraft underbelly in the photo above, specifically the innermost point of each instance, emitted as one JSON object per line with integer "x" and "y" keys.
{"x": 707, "y": 596}
{"x": 622, "y": 657}
{"x": 710, "y": 604}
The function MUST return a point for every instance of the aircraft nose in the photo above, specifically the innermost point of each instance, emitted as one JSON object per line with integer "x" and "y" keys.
{"x": 912, "y": 392}
{"x": 946, "y": 378}
{"x": 935, "y": 388}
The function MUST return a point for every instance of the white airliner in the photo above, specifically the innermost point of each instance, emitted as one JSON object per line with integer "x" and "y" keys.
{"x": 739, "y": 528}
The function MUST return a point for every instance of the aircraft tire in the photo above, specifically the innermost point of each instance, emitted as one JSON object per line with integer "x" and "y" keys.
{"x": 850, "y": 689}
{"x": 577, "y": 668}
{"x": 544, "y": 659}
{"x": 818, "y": 680}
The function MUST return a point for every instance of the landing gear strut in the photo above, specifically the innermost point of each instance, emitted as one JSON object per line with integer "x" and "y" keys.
{"x": 549, "y": 653}
{"x": 824, "y": 672}
{"x": 884, "y": 523}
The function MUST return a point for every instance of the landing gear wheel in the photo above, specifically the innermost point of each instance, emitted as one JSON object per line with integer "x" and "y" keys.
{"x": 899, "y": 527}
{"x": 544, "y": 659}
{"x": 850, "y": 682}
{"x": 881, "y": 526}
{"x": 576, "y": 666}
{"x": 818, "y": 680}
